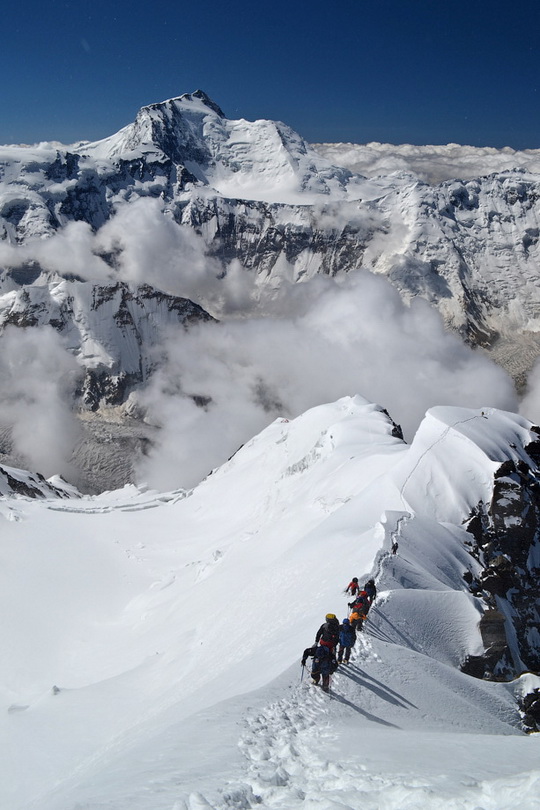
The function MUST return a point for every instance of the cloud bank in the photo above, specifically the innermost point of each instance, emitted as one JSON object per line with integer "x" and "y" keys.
{"x": 345, "y": 338}
{"x": 276, "y": 352}
{"x": 433, "y": 164}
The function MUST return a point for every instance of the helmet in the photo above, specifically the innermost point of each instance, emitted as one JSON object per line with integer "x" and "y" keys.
{"x": 355, "y": 579}
{"x": 330, "y": 616}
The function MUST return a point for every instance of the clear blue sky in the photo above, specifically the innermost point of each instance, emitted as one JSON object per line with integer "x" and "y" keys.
{"x": 398, "y": 71}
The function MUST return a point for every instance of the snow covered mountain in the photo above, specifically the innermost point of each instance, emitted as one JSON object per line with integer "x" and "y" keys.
{"x": 154, "y": 640}
{"x": 185, "y": 215}
{"x": 110, "y": 328}
{"x": 15, "y": 482}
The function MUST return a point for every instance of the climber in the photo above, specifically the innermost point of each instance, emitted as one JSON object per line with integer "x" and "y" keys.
{"x": 357, "y": 620}
{"x": 371, "y": 591}
{"x": 347, "y": 637}
{"x": 360, "y": 604}
{"x": 324, "y": 664}
{"x": 353, "y": 587}
{"x": 309, "y": 652}
{"x": 328, "y": 633}
{"x": 359, "y": 609}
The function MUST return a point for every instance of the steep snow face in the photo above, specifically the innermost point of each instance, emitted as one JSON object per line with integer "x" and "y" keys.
{"x": 463, "y": 246}
{"x": 205, "y": 596}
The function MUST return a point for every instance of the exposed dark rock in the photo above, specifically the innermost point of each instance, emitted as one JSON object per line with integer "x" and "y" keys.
{"x": 506, "y": 541}
{"x": 495, "y": 663}
{"x": 30, "y": 485}
{"x": 530, "y": 707}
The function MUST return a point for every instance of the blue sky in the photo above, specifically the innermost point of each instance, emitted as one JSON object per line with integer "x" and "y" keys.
{"x": 397, "y": 71}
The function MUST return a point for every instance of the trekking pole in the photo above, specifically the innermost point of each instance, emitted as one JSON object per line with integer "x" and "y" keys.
{"x": 302, "y": 675}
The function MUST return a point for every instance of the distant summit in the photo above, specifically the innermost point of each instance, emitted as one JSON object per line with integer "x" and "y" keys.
{"x": 256, "y": 195}
{"x": 198, "y": 95}
{"x": 258, "y": 160}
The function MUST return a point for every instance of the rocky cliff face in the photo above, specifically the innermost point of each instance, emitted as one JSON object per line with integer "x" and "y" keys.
{"x": 111, "y": 328}
{"x": 506, "y": 543}
{"x": 22, "y": 483}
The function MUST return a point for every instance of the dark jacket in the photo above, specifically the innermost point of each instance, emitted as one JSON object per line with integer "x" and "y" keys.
{"x": 308, "y": 653}
{"x": 370, "y": 590}
{"x": 324, "y": 662}
{"x": 328, "y": 632}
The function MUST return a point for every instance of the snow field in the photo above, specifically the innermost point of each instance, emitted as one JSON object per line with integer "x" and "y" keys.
{"x": 173, "y": 627}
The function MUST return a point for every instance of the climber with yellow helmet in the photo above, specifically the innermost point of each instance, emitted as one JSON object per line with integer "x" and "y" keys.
{"x": 328, "y": 633}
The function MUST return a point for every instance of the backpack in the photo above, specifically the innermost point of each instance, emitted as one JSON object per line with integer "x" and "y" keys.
{"x": 324, "y": 660}
{"x": 360, "y": 605}
{"x": 347, "y": 635}
{"x": 330, "y": 632}
{"x": 370, "y": 589}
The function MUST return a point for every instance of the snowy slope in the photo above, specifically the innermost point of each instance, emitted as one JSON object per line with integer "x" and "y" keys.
{"x": 154, "y": 639}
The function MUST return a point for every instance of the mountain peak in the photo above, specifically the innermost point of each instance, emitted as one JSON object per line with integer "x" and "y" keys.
{"x": 206, "y": 100}
{"x": 187, "y": 100}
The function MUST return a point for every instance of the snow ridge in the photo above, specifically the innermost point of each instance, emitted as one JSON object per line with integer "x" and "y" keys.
{"x": 165, "y": 684}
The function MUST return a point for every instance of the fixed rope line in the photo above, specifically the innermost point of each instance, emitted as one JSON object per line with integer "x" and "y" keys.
{"x": 428, "y": 449}
{"x": 397, "y": 531}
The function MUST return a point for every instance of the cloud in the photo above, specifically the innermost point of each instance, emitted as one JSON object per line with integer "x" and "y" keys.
{"x": 282, "y": 345}
{"x": 530, "y": 404}
{"x": 140, "y": 244}
{"x": 37, "y": 382}
{"x": 433, "y": 164}
{"x": 352, "y": 337}
{"x": 151, "y": 248}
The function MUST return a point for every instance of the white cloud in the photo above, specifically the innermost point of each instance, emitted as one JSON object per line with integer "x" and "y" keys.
{"x": 280, "y": 348}
{"x": 433, "y": 164}
{"x": 346, "y": 338}
{"x": 530, "y": 404}
{"x": 37, "y": 381}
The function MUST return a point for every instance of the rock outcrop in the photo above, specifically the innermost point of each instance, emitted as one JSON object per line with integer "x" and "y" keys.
{"x": 506, "y": 542}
